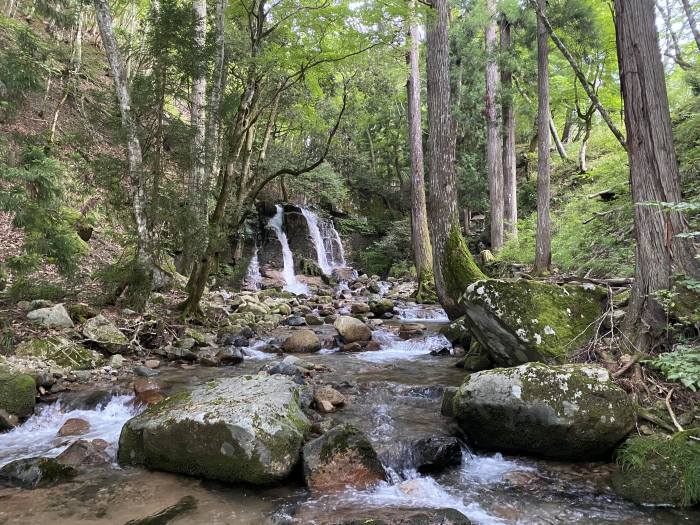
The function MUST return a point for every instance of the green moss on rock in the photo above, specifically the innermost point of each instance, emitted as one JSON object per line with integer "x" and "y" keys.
{"x": 518, "y": 320}
{"x": 17, "y": 393}
{"x": 61, "y": 351}
{"x": 459, "y": 267}
{"x": 660, "y": 470}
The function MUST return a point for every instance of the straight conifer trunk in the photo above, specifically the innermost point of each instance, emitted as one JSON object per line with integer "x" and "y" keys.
{"x": 453, "y": 266}
{"x": 654, "y": 175}
{"x": 494, "y": 144}
{"x": 422, "y": 251}
{"x": 510, "y": 188}
{"x": 543, "y": 241}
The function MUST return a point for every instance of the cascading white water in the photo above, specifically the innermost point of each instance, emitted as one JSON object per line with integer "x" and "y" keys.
{"x": 292, "y": 283}
{"x": 253, "y": 277}
{"x": 329, "y": 248}
{"x": 317, "y": 239}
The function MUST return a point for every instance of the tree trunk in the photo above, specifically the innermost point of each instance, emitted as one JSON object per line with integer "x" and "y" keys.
{"x": 654, "y": 176}
{"x": 588, "y": 88}
{"x": 582, "y": 160}
{"x": 510, "y": 187}
{"x": 422, "y": 251}
{"x": 453, "y": 266}
{"x": 566, "y": 132}
{"x": 555, "y": 138}
{"x": 213, "y": 144}
{"x": 195, "y": 232}
{"x": 543, "y": 248}
{"x": 494, "y": 158}
{"x": 137, "y": 176}
{"x": 691, "y": 20}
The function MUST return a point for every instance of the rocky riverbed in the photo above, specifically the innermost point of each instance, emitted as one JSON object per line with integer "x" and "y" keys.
{"x": 322, "y": 420}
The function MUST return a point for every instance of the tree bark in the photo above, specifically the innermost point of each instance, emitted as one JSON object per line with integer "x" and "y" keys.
{"x": 494, "y": 158}
{"x": 543, "y": 241}
{"x": 137, "y": 177}
{"x": 691, "y": 20}
{"x": 510, "y": 187}
{"x": 422, "y": 250}
{"x": 453, "y": 266}
{"x": 555, "y": 138}
{"x": 588, "y": 88}
{"x": 213, "y": 143}
{"x": 195, "y": 234}
{"x": 654, "y": 176}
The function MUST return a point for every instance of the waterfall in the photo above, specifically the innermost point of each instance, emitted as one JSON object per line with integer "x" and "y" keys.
{"x": 292, "y": 283}
{"x": 253, "y": 277}
{"x": 317, "y": 239}
{"x": 329, "y": 248}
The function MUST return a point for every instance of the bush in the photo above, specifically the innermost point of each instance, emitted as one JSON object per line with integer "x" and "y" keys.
{"x": 394, "y": 249}
{"x": 683, "y": 365}
{"x": 25, "y": 289}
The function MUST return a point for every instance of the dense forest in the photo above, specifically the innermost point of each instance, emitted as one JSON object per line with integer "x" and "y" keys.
{"x": 342, "y": 262}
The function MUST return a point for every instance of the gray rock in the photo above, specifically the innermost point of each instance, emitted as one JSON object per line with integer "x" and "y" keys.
{"x": 17, "y": 393}
{"x": 55, "y": 316}
{"x": 105, "y": 334}
{"x": 32, "y": 473}
{"x": 246, "y": 429}
{"x": 144, "y": 371}
{"x": 230, "y": 356}
{"x": 302, "y": 341}
{"x": 565, "y": 412}
{"x": 116, "y": 361}
{"x": 296, "y": 320}
{"x": 435, "y": 454}
{"x": 352, "y": 330}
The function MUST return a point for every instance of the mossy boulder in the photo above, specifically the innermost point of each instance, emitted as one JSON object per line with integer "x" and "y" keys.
{"x": 660, "y": 470}
{"x": 247, "y": 429}
{"x": 381, "y": 306}
{"x": 17, "y": 393}
{"x": 105, "y": 334}
{"x": 62, "y": 351}
{"x": 518, "y": 320}
{"x": 31, "y": 473}
{"x": 457, "y": 332}
{"x": 342, "y": 457}
{"x": 302, "y": 341}
{"x": 570, "y": 412}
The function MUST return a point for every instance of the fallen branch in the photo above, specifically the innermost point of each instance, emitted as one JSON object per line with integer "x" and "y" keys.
{"x": 627, "y": 366}
{"x": 670, "y": 411}
{"x": 645, "y": 414}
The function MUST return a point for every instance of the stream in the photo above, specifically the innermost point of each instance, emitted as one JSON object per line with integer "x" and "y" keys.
{"x": 394, "y": 396}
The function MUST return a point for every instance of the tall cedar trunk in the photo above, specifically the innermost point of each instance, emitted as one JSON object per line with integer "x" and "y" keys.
{"x": 453, "y": 266}
{"x": 422, "y": 251}
{"x": 195, "y": 233}
{"x": 543, "y": 248}
{"x": 137, "y": 177}
{"x": 213, "y": 147}
{"x": 494, "y": 159}
{"x": 588, "y": 87}
{"x": 654, "y": 173}
{"x": 691, "y": 20}
{"x": 510, "y": 187}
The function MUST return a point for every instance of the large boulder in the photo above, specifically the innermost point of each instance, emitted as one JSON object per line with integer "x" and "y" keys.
{"x": 518, "y": 320}
{"x": 17, "y": 393}
{"x": 247, "y": 429}
{"x": 105, "y": 334}
{"x": 342, "y": 457}
{"x": 352, "y": 330}
{"x": 31, "y": 473}
{"x": 566, "y": 412}
{"x": 302, "y": 341}
{"x": 54, "y": 316}
{"x": 62, "y": 351}
{"x": 381, "y": 306}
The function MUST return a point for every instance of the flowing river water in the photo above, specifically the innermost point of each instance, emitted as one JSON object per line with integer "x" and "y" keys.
{"x": 394, "y": 396}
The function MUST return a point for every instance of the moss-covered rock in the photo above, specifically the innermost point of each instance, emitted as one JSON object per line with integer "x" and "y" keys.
{"x": 381, "y": 306}
{"x": 17, "y": 393}
{"x": 660, "y": 470}
{"x": 31, "y": 473}
{"x": 342, "y": 457}
{"x": 457, "y": 332}
{"x": 518, "y": 320}
{"x": 246, "y": 429}
{"x": 62, "y": 351}
{"x": 566, "y": 412}
{"x": 105, "y": 334}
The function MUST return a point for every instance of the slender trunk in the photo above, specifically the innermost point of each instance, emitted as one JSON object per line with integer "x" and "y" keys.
{"x": 555, "y": 138}
{"x": 213, "y": 144}
{"x": 195, "y": 236}
{"x": 582, "y": 160}
{"x": 588, "y": 88}
{"x": 510, "y": 187}
{"x": 543, "y": 248}
{"x": 453, "y": 266}
{"x": 691, "y": 20}
{"x": 137, "y": 177}
{"x": 422, "y": 251}
{"x": 372, "y": 157}
{"x": 568, "y": 122}
{"x": 9, "y": 8}
{"x": 494, "y": 156}
{"x": 654, "y": 176}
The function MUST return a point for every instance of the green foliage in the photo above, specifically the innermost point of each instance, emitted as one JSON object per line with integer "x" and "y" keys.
{"x": 679, "y": 457}
{"x": 323, "y": 186}
{"x": 128, "y": 278}
{"x": 35, "y": 192}
{"x": 26, "y": 289}
{"x": 391, "y": 251}
{"x": 683, "y": 365}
